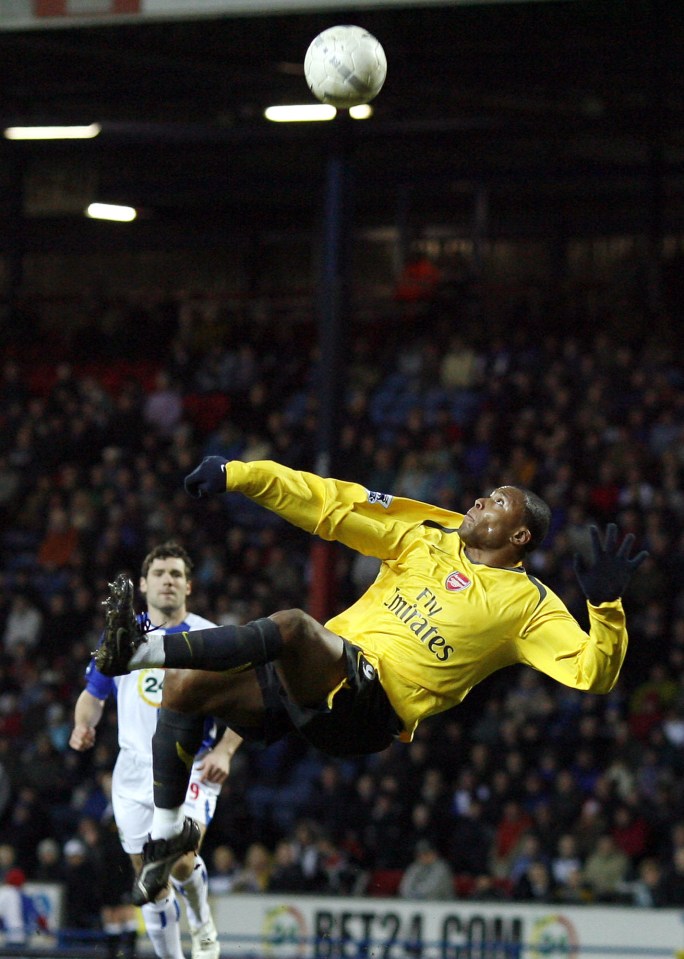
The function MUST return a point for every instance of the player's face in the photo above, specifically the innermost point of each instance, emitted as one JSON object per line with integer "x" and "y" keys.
{"x": 494, "y": 520}
{"x": 166, "y": 585}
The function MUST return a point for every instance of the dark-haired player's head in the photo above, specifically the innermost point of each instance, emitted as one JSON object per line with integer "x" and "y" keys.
{"x": 511, "y": 518}
{"x": 164, "y": 551}
{"x": 537, "y": 516}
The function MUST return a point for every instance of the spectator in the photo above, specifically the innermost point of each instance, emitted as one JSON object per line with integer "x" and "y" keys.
{"x": 589, "y": 826}
{"x": 544, "y": 826}
{"x": 49, "y": 867}
{"x": 45, "y": 771}
{"x": 256, "y": 872}
{"x": 23, "y": 625}
{"x": 60, "y": 541}
{"x": 425, "y": 823}
{"x": 330, "y": 799}
{"x": 573, "y": 891}
{"x": 9, "y": 484}
{"x": 428, "y": 876}
{"x": 307, "y": 855}
{"x": 163, "y": 407}
{"x": 513, "y": 824}
{"x": 343, "y": 877}
{"x": 81, "y": 889}
{"x": 28, "y": 822}
{"x": 12, "y": 909}
{"x": 287, "y": 874}
{"x": 566, "y": 863}
{"x": 460, "y": 365}
{"x": 630, "y": 831}
{"x": 605, "y": 870}
{"x": 224, "y": 867}
{"x": 650, "y": 889}
{"x": 566, "y": 799}
{"x": 488, "y": 889}
{"x": 535, "y": 884}
{"x": 674, "y": 879}
{"x": 528, "y": 851}
{"x": 383, "y": 833}
{"x": 469, "y": 841}
{"x": 8, "y": 859}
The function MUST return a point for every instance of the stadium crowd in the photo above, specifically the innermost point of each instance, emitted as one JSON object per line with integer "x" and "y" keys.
{"x": 528, "y": 790}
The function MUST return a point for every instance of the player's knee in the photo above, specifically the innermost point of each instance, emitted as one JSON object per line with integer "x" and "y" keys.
{"x": 185, "y": 725}
{"x": 294, "y": 624}
{"x": 174, "y": 696}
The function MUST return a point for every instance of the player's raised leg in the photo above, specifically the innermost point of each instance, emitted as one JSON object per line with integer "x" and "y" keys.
{"x": 309, "y": 657}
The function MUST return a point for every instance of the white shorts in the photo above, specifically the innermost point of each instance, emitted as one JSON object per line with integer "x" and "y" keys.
{"x": 133, "y": 799}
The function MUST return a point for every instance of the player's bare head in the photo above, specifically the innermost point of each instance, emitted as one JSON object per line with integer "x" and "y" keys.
{"x": 509, "y": 517}
{"x": 536, "y": 516}
{"x": 168, "y": 550}
{"x": 165, "y": 583}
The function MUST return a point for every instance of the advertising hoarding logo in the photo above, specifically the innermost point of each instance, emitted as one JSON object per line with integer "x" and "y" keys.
{"x": 284, "y": 933}
{"x": 553, "y": 936}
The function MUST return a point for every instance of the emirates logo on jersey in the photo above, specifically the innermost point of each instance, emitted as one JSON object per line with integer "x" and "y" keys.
{"x": 457, "y": 581}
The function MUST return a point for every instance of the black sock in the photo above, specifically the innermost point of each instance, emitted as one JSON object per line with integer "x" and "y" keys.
{"x": 174, "y": 745}
{"x": 127, "y": 944}
{"x": 112, "y": 940}
{"x": 224, "y": 647}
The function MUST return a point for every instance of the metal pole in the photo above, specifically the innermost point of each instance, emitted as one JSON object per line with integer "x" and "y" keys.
{"x": 333, "y": 327}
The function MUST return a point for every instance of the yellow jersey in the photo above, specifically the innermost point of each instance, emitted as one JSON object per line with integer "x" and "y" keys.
{"x": 434, "y": 623}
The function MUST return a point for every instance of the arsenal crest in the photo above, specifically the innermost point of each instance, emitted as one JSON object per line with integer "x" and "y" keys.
{"x": 457, "y": 581}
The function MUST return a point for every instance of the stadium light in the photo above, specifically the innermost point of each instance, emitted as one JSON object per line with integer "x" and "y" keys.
{"x": 53, "y": 132}
{"x": 362, "y": 112}
{"x": 111, "y": 211}
{"x": 301, "y": 113}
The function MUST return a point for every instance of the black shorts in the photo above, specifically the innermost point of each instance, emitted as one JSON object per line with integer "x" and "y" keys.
{"x": 361, "y": 719}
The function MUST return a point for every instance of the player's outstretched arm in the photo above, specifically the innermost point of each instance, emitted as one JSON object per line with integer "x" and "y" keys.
{"x": 335, "y": 510}
{"x": 605, "y": 576}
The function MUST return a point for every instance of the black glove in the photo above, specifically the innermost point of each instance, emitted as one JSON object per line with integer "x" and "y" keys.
{"x": 607, "y": 575}
{"x": 208, "y": 477}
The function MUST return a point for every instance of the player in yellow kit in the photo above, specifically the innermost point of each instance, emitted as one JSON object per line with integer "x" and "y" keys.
{"x": 452, "y": 603}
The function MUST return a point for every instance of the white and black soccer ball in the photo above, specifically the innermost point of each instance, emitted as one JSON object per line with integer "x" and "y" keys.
{"x": 345, "y": 66}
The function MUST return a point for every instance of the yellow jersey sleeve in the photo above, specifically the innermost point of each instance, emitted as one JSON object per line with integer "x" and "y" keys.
{"x": 372, "y": 523}
{"x": 555, "y": 644}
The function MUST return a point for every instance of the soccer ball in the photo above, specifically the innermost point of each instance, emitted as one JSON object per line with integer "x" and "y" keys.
{"x": 345, "y": 66}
